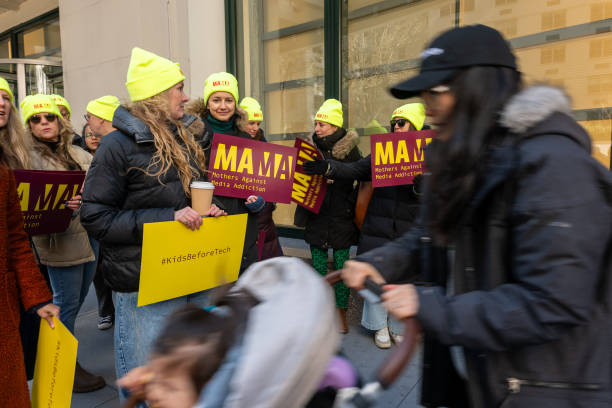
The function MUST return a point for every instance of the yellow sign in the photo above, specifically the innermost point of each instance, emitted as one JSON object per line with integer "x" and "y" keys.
{"x": 177, "y": 261}
{"x": 55, "y": 363}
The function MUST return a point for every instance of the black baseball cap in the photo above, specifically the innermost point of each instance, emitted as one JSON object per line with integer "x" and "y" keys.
{"x": 453, "y": 51}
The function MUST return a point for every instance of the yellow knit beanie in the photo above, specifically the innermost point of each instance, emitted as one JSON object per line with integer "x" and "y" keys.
{"x": 331, "y": 112}
{"x": 220, "y": 82}
{"x": 61, "y": 101}
{"x": 104, "y": 107}
{"x": 252, "y": 107}
{"x": 149, "y": 74}
{"x": 414, "y": 112}
{"x": 4, "y": 85}
{"x": 39, "y": 103}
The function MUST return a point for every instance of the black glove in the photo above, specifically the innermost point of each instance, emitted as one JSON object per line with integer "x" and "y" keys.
{"x": 317, "y": 166}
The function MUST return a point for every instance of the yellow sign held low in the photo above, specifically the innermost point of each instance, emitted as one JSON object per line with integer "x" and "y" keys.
{"x": 56, "y": 357}
{"x": 177, "y": 261}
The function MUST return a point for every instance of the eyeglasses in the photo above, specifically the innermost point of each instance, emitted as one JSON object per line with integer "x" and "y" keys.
{"x": 89, "y": 134}
{"x": 399, "y": 122}
{"x": 438, "y": 90}
{"x": 35, "y": 119}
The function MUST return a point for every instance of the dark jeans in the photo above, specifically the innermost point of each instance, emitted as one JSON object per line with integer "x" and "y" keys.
{"x": 103, "y": 293}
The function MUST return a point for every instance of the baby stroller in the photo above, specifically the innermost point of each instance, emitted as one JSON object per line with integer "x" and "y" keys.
{"x": 288, "y": 341}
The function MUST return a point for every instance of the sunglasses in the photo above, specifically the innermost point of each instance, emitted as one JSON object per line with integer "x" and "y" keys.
{"x": 35, "y": 119}
{"x": 398, "y": 122}
{"x": 438, "y": 90}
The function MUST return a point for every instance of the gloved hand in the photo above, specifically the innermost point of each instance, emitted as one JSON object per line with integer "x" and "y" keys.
{"x": 317, "y": 166}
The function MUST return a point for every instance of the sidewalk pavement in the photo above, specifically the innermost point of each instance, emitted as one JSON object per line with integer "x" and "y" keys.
{"x": 96, "y": 352}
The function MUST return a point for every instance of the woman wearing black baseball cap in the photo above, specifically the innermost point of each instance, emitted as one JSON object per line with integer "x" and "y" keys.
{"x": 518, "y": 314}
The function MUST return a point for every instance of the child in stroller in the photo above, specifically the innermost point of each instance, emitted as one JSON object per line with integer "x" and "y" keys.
{"x": 270, "y": 342}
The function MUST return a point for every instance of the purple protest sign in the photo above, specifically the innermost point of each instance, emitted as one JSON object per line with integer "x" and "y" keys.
{"x": 308, "y": 190}
{"x": 397, "y": 158}
{"x": 43, "y": 194}
{"x": 241, "y": 167}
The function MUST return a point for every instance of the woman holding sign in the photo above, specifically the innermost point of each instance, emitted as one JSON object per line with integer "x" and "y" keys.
{"x": 391, "y": 212}
{"x": 70, "y": 256}
{"x": 141, "y": 174}
{"x": 21, "y": 283}
{"x": 220, "y": 113}
{"x": 513, "y": 239}
{"x": 268, "y": 245}
{"x": 333, "y": 226}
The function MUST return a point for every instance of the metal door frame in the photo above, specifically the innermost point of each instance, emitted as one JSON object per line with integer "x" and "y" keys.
{"x": 21, "y": 63}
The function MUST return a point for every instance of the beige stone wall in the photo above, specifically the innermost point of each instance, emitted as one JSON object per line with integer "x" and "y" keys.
{"x": 98, "y": 36}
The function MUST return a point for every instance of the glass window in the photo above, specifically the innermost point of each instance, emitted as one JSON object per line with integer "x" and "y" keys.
{"x": 41, "y": 41}
{"x": 566, "y": 43}
{"x": 5, "y": 47}
{"x": 284, "y": 63}
{"x": 383, "y": 48}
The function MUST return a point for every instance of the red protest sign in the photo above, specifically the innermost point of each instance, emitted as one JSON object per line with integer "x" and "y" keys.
{"x": 240, "y": 167}
{"x": 397, "y": 158}
{"x": 308, "y": 190}
{"x": 43, "y": 194}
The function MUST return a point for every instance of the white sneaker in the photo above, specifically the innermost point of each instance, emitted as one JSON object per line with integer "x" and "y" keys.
{"x": 382, "y": 339}
{"x": 397, "y": 338}
{"x": 105, "y": 322}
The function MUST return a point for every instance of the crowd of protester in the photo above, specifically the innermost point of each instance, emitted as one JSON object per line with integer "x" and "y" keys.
{"x": 502, "y": 247}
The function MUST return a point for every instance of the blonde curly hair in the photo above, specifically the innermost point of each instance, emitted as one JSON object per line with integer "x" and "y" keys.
{"x": 182, "y": 153}
{"x": 15, "y": 147}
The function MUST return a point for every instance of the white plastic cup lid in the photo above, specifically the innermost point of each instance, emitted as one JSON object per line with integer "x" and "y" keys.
{"x": 202, "y": 184}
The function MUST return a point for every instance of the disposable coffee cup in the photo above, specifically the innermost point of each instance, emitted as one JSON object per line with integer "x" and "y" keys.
{"x": 201, "y": 196}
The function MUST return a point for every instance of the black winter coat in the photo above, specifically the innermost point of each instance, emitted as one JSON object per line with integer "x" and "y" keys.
{"x": 231, "y": 205}
{"x": 118, "y": 199}
{"x": 532, "y": 273}
{"x": 333, "y": 226}
{"x": 392, "y": 210}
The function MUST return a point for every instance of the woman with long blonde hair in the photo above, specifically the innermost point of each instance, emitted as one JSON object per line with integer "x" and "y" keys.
{"x": 14, "y": 146}
{"x": 141, "y": 173}
{"x": 70, "y": 256}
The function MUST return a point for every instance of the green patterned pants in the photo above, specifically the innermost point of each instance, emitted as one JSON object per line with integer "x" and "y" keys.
{"x": 319, "y": 262}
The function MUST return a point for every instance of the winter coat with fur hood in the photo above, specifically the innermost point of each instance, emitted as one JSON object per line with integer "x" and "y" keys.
{"x": 530, "y": 301}
{"x": 119, "y": 198}
{"x": 333, "y": 226}
{"x": 72, "y": 246}
{"x": 231, "y": 205}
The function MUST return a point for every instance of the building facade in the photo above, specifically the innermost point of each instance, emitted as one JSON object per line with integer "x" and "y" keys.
{"x": 293, "y": 54}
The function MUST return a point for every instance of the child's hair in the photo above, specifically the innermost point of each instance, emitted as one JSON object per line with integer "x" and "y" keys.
{"x": 196, "y": 341}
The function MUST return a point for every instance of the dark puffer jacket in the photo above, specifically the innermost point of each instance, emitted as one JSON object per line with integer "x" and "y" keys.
{"x": 392, "y": 210}
{"x": 231, "y": 205}
{"x": 532, "y": 273}
{"x": 333, "y": 226}
{"x": 118, "y": 199}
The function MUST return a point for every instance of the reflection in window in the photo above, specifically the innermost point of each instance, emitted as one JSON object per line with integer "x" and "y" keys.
{"x": 601, "y": 11}
{"x": 601, "y": 47}
{"x": 553, "y": 19}
{"x": 41, "y": 41}
{"x": 507, "y": 27}
{"x": 599, "y": 84}
{"x": 552, "y": 55}
{"x": 504, "y": 2}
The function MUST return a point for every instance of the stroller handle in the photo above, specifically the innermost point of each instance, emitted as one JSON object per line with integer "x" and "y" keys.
{"x": 393, "y": 366}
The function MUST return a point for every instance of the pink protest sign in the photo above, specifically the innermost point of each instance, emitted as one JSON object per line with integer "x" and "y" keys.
{"x": 43, "y": 195}
{"x": 241, "y": 167}
{"x": 398, "y": 157}
{"x": 308, "y": 190}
